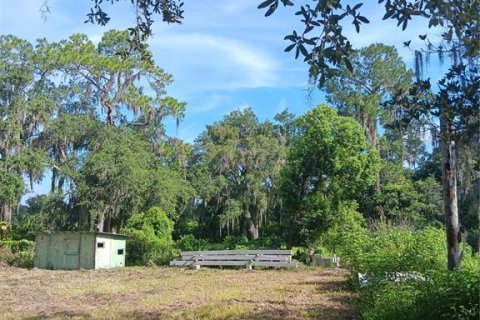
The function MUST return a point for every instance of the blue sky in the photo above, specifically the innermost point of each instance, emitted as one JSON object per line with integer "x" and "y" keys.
{"x": 226, "y": 55}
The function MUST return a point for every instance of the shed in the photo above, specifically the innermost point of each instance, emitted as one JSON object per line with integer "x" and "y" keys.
{"x": 79, "y": 250}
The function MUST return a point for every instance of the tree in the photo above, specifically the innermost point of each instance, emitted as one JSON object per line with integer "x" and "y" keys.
{"x": 378, "y": 72}
{"x": 114, "y": 180}
{"x": 113, "y": 74}
{"x": 236, "y": 163}
{"x": 328, "y": 154}
{"x": 26, "y": 103}
{"x": 150, "y": 237}
{"x": 329, "y": 48}
{"x": 170, "y": 10}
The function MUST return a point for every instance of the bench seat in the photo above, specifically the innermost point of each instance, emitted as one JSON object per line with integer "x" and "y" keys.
{"x": 247, "y": 258}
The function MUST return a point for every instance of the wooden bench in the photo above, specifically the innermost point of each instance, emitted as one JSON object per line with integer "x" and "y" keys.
{"x": 247, "y": 258}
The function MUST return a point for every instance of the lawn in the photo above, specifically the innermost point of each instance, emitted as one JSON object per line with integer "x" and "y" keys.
{"x": 168, "y": 293}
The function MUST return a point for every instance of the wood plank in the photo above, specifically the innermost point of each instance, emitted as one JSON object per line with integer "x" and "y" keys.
{"x": 180, "y": 263}
{"x": 234, "y": 252}
{"x": 237, "y": 257}
{"x": 273, "y": 264}
{"x": 221, "y": 263}
{"x": 273, "y": 258}
{"x": 218, "y": 257}
{"x": 277, "y": 264}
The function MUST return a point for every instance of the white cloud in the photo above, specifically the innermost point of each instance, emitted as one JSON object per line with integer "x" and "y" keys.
{"x": 235, "y": 7}
{"x": 210, "y": 102}
{"x": 206, "y": 62}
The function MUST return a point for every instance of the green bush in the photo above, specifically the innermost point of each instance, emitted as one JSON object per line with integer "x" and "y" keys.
{"x": 300, "y": 254}
{"x": 450, "y": 295}
{"x": 149, "y": 238}
{"x": 379, "y": 255}
{"x": 392, "y": 250}
{"x": 444, "y": 295}
{"x": 190, "y": 243}
{"x": 18, "y": 253}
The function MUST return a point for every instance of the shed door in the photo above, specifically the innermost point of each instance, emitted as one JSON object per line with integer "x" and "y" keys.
{"x": 72, "y": 253}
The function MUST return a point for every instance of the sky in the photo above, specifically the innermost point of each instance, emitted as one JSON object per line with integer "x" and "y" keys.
{"x": 224, "y": 56}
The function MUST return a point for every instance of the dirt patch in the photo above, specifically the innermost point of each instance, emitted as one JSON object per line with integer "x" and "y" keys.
{"x": 168, "y": 293}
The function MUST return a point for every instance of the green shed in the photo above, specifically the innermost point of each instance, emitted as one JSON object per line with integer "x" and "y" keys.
{"x": 79, "y": 250}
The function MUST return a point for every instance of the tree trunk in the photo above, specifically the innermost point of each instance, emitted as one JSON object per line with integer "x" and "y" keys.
{"x": 449, "y": 182}
{"x": 253, "y": 230}
{"x": 478, "y": 217}
{"x": 252, "y": 227}
{"x": 7, "y": 212}
{"x": 107, "y": 226}
{"x": 109, "y": 114}
{"x": 101, "y": 223}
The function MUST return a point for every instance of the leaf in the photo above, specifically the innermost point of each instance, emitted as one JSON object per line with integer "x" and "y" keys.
{"x": 290, "y": 37}
{"x": 303, "y": 50}
{"x": 287, "y": 3}
{"x": 363, "y": 19}
{"x": 271, "y": 10}
{"x": 357, "y": 25}
{"x": 357, "y": 6}
{"x": 348, "y": 64}
{"x": 290, "y": 47}
{"x": 322, "y": 80}
{"x": 407, "y": 43}
{"x": 265, "y": 4}
{"x": 311, "y": 41}
{"x": 422, "y": 37}
{"x": 388, "y": 14}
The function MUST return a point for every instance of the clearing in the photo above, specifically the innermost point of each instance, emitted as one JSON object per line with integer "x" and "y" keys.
{"x": 169, "y": 293}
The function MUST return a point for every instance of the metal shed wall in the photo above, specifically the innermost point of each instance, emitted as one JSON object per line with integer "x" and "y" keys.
{"x": 112, "y": 253}
{"x": 78, "y": 250}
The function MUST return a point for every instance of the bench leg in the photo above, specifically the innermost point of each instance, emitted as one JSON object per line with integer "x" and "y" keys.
{"x": 197, "y": 267}
{"x": 249, "y": 266}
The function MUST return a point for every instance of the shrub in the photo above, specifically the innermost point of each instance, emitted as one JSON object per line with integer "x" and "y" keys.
{"x": 446, "y": 295}
{"x": 190, "y": 243}
{"x": 441, "y": 295}
{"x": 393, "y": 250}
{"x": 150, "y": 238}
{"x": 300, "y": 254}
{"x": 18, "y": 253}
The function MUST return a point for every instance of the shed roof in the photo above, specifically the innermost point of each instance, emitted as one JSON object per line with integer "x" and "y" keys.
{"x": 103, "y": 234}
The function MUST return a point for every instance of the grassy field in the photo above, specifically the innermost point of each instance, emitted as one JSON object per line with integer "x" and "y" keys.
{"x": 168, "y": 293}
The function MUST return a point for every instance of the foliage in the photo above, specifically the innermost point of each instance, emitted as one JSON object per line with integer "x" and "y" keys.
{"x": 113, "y": 75}
{"x": 26, "y": 101}
{"x": 324, "y": 45}
{"x": 43, "y": 212}
{"x": 378, "y": 73}
{"x": 170, "y": 10}
{"x": 329, "y": 153}
{"x": 411, "y": 203}
{"x": 392, "y": 250}
{"x": 150, "y": 238}
{"x": 115, "y": 177}
{"x": 235, "y": 170}
{"x": 426, "y": 291}
{"x": 188, "y": 242}
{"x": 18, "y": 253}
{"x": 329, "y": 48}
{"x": 445, "y": 295}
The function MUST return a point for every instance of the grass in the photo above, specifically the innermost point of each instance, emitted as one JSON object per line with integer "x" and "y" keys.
{"x": 168, "y": 293}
